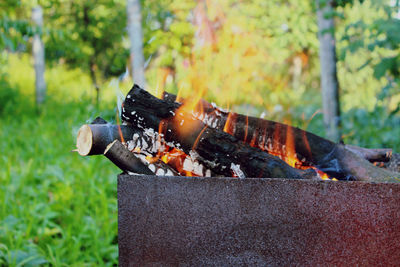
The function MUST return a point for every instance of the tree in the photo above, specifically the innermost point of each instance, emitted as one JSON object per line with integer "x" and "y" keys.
{"x": 136, "y": 41}
{"x": 38, "y": 56}
{"x": 329, "y": 80}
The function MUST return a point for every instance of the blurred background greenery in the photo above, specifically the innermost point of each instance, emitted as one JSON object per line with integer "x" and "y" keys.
{"x": 57, "y": 208}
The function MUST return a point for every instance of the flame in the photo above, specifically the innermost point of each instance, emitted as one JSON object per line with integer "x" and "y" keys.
{"x": 198, "y": 137}
{"x": 176, "y": 158}
{"x": 229, "y": 126}
{"x": 119, "y": 128}
{"x": 290, "y": 148}
{"x": 246, "y": 129}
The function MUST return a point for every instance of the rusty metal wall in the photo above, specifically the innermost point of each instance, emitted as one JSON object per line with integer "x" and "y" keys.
{"x": 170, "y": 221}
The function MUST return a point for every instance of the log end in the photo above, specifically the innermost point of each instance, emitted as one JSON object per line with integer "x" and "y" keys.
{"x": 109, "y": 146}
{"x": 84, "y": 140}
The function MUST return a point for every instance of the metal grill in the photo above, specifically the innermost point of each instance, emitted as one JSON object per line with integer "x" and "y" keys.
{"x": 169, "y": 221}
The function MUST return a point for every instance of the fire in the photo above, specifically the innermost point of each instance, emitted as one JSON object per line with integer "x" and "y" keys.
{"x": 292, "y": 159}
{"x": 119, "y": 128}
{"x": 174, "y": 158}
{"x": 246, "y": 129}
{"x": 230, "y": 123}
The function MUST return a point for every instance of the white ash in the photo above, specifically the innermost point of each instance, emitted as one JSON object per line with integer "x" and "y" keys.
{"x": 152, "y": 167}
{"x": 237, "y": 171}
{"x": 193, "y": 166}
{"x": 219, "y": 108}
{"x": 133, "y": 112}
{"x": 128, "y": 96}
{"x": 160, "y": 172}
{"x": 208, "y": 173}
{"x": 149, "y": 131}
{"x": 172, "y": 113}
{"x": 169, "y": 173}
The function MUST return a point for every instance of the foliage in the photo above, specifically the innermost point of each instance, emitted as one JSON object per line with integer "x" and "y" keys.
{"x": 56, "y": 208}
{"x": 381, "y": 38}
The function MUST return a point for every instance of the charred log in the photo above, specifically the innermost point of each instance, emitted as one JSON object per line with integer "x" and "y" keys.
{"x": 335, "y": 159}
{"x": 222, "y": 153}
{"x": 213, "y": 113}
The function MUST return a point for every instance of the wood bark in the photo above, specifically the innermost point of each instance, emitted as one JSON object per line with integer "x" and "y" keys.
{"x": 372, "y": 155}
{"x": 136, "y": 41}
{"x": 329, "y": 81}
{"x": 311, "y": 149}
{"x": 93, "y": 139}
{"x": 125, "y": 159}
{"x": 38, "y": 56}
{"x": 222, "y": 153}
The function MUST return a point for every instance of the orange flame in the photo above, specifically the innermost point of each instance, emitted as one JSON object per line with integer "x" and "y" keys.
{"x": 229, "y": 126}
{"x": 119, "y": 128}
{"x": 198, "y": 137}
{"x": 246, "y": 129}
{"x": 291, "y": 158}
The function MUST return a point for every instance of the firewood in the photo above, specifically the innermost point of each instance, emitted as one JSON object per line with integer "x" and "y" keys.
{"x": 213, "y": 112}
{"x": 215, "y": 149}
{"x": 311, "y": 149}
{"x": 125, "y": 159}
{"x": 372, "y": 155}
{"x": 93, "y": 139}
{"x": 335, "y": 159}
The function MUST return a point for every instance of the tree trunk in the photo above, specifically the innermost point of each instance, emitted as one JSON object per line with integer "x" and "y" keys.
{"x": 38, "y": 56}
{"x": 136, "y": 40}
{"x": 329, "y": 81}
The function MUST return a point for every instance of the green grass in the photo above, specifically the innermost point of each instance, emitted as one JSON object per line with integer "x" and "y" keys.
{"x": 56, "y": 207}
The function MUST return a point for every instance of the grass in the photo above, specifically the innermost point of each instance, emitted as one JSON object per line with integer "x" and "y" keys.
{"x": 56, "y": 208}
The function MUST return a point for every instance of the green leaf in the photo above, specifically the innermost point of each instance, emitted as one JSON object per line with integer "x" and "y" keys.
{"x": 384, "y": 66}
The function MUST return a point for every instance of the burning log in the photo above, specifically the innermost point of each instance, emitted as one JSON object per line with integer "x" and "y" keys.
{"x": 293, "y": 144}
{"x": 222, "y": 153}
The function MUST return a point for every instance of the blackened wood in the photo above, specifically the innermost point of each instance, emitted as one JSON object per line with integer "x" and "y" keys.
{"x": 370, "y": 154}
{"x": 99, "y": 120}
{"x": 222, "y": 153}
{"x": 125, "y": 159}
{"x": 311, "y": 149}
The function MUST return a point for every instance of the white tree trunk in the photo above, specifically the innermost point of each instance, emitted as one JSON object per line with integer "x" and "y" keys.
{"x": 38, "y": 56}
{"x": 329, "y": 81}
{"x": 136, "y": 40}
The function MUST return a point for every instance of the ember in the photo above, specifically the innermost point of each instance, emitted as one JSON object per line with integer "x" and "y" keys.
{"x": 196, "y": 138}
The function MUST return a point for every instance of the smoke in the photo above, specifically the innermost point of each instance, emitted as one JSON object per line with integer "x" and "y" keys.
{"x": 114, "y": 83}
